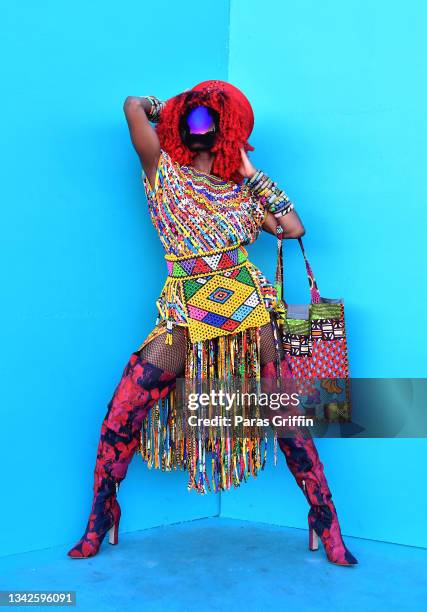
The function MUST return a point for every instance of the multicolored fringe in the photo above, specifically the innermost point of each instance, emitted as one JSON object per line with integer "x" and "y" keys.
{"x": 164, "y": 444}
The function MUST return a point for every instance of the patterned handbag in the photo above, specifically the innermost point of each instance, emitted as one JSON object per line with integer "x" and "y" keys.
{"x": 314, "y": 339}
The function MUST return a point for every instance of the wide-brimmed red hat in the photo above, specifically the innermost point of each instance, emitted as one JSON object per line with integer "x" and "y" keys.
{"x": 236, "y": 97}
{"x": 236, "y": 121}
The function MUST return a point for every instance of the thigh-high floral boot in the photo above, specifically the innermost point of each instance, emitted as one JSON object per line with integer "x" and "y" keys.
{"x": 140, "y": 386}
{"x": 303, "y": 461}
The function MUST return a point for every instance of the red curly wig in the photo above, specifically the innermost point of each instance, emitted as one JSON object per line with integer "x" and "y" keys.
{"x": 236, "y": 122}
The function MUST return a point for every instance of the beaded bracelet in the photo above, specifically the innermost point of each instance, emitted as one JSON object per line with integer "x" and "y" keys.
{"x": 156, "y": 108}
{"x": 275, "y": 200}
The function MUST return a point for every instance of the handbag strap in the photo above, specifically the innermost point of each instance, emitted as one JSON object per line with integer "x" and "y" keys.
{"x": 279, "y": 278}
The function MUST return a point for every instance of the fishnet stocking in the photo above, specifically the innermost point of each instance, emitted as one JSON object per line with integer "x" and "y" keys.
{"x": 170, "y": 357}
{"x": 268, "y": 342}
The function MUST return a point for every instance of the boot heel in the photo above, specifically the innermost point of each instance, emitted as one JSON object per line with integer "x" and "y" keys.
{"x": 113, "y": 533}
{"x": 313, "y": 539}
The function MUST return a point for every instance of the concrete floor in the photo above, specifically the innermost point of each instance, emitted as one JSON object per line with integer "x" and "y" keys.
{"x": 218, "y": 564}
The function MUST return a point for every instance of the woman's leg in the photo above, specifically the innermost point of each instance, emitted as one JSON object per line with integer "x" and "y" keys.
{"x": 303, "y": 461}
{"x": 149, "y": 375}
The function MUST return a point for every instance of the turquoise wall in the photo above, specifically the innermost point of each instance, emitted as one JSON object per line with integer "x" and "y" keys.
{"x": 339, "y": 98}
{"x": 83, "y": 262}
{"x": 339, "y": 120}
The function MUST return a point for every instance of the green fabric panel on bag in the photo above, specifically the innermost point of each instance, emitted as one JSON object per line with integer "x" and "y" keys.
{"x": 298, "y": 326}
{"x": 325, "y": 311}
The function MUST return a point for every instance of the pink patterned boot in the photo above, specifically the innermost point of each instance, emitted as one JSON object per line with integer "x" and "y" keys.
{"x": 140, "y": 386}
{"x": 303, "y": 461}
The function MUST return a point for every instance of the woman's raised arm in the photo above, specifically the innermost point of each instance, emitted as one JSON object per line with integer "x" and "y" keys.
{"x": 143, "y": 135}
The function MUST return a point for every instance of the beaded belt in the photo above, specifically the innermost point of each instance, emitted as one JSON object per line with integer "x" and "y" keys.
{"x": 214, "y": 293}
{"x": 194, "y": 266}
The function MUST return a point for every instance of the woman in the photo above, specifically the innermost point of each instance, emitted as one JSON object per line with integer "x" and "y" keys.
{"x": 217, "y": 312}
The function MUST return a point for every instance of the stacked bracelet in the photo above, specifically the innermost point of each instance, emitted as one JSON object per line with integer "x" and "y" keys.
{"x": 156, "y": 108}
{"x": 275, "y": 200}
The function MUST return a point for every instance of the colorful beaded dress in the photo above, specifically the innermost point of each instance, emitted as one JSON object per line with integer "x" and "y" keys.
{"x": 220, "y": 297}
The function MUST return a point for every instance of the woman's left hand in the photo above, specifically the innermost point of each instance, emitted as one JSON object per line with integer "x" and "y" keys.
{"x": 246, "y": 169}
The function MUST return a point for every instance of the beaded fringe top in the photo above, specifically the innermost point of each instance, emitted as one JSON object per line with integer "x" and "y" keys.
{"x": 194, "y": 212}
